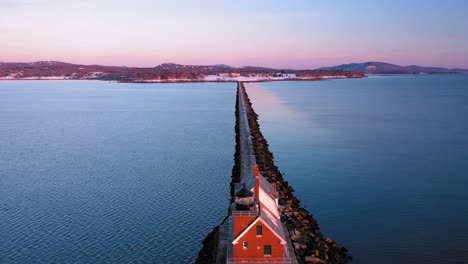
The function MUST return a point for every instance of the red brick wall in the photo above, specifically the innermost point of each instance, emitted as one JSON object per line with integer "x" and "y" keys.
{"x": 255, "y": 244}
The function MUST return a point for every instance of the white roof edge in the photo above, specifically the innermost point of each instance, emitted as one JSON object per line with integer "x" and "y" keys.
{"x": 236, "y": 240}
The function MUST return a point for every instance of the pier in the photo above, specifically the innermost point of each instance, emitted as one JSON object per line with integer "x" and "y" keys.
{"x": 265, "y": 222}
{"x": 247, "y": 153}
{"x": 261, "y": 212}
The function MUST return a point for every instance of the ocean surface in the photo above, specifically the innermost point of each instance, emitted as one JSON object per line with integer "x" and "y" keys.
{"x": 99, "y": 172}
{"x": 382, "y": 162}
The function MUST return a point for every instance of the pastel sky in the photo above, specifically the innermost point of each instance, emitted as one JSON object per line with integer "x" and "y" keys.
{"x": 283, "y": 34}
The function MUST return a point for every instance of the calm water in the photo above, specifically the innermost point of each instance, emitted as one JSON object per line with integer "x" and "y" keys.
{"x": 112, "y": 173}
{"x": 382, "y": 162}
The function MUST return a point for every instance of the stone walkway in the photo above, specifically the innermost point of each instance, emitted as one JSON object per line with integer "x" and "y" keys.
{"x": 247, "y": 154}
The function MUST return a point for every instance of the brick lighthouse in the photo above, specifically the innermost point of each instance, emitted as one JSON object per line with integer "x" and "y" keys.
{"x": 257, "y": 232}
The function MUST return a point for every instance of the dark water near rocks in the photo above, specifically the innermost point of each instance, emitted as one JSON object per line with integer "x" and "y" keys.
{"x": 96, "y": 172}
{"x": 382, "y": 162}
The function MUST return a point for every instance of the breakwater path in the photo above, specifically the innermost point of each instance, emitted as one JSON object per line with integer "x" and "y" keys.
{"x": 247, "y": 153}
{"x": 305, "y": 243}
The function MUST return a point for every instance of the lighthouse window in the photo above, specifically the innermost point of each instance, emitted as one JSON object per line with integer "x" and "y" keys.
{"x": 259, "y": 230}
{"x": 245, "y": 244}
{"x": 267, "y": 250}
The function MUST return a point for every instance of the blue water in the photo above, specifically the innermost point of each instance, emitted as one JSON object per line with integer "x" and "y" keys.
{"x": 382, "y": 162}
{"x": 97, "y": 172}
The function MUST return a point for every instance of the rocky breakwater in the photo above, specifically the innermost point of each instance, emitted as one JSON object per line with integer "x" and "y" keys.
{"x": 310, "y": 245}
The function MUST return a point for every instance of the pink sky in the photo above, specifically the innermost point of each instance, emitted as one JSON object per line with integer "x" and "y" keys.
{"x": 302, "y": 34}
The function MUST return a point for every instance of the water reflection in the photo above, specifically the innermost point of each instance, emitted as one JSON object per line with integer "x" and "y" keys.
{"x": 270, "y": 105}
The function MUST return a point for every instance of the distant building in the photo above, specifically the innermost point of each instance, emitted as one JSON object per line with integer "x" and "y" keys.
{"x": 289, "y": 75}
{"x": 229, "y": 74}
{"x": 95, "y": 74}
{"x": 285, "y": 75}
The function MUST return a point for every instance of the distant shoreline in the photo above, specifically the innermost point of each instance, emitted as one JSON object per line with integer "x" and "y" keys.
{"x": 187, "y": 80}
{"x": 221, "y": 80}
{"x": 167, "y": 72}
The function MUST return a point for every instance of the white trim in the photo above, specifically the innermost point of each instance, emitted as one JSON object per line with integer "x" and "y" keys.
{"x": 236, "y": 240}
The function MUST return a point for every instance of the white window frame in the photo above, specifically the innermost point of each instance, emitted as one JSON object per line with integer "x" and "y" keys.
{"x": 245, "y": 244}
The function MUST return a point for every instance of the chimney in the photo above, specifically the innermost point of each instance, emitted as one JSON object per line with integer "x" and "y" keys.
{"x": 257, "y": 182}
